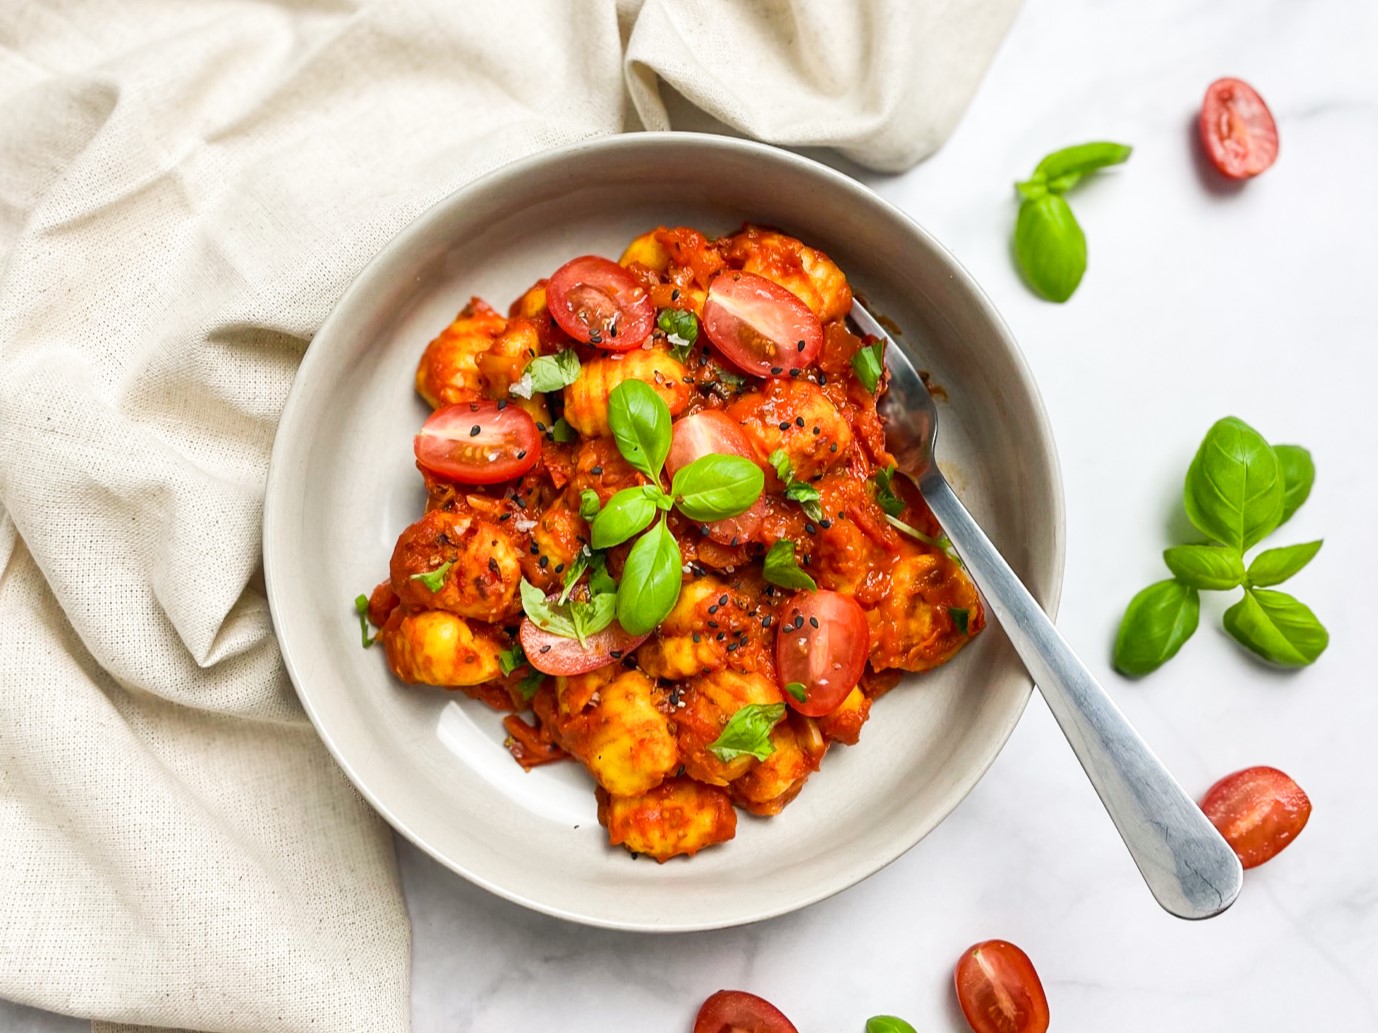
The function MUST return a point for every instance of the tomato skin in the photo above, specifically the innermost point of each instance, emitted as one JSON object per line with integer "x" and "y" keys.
{"x": 999, "y": 989}
{"x": 759, "y": 326}
{"x": 822, "y": 643}
{"x": 552, "y": 654}
{"x": 736, "y": 1011}
{"x": 478, "y": 443}
{"x": 712, "y": 432}
{"x": 1259, "y": 811}
{"x": 1237, "y": 129}
{"x": 596, "y": 301}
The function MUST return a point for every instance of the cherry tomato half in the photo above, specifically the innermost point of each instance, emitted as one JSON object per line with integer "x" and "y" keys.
{"x": 478, "y": 443}
{"x": 1258, "y": 811}
{"x": 999, "y": 991}
{"x": 822, "y": 643}
{"x": 552, "y": 654}
{"x": 759, "y": 326}
{"x": 711, "y": 432}
{"x": 736, "y": 1011}
{"x": 597, "y": 301}
{"x": 1237, "y": 129}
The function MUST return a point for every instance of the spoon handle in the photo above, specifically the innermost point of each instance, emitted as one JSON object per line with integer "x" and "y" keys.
{"x": 1190, "y": 869}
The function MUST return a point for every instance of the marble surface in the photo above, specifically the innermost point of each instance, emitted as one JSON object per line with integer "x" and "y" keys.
{"x": 1201, "y": 300}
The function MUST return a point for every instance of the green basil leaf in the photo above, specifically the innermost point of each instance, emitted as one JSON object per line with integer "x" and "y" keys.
{"x": 747, "y": 732}
{"x": 1233, "y": 491}
{"x": 574, "y": 572}
{"x": 797, "y": 690}
{"x": 1205, "y": 566}
{"x": 1062, "y": 169}
{"x": 651, "y": 580}
{"x": 868, "y": 364}
{"x": 1277, "y": 627}
{"x": 600, "y": 581}
{"x": 1274, "y": 566}
{"x": 640, "y": 422}
{"x": 553, "y": 372}
{"x": 886, "y": 498}
{"x": 715, "y": 487}
{"x": 961, "y": 618}
{"x": 542, "y": 614}
{"x": 361, "y": 608}
{"x": 510, "y": 659}
{"x": 627, "y": 513}
{"x": 531, "y": 684}
{"x": 563, "y": 432}
{"x": 887, "y": 1024}
{"x": 592, "y": 616}
{"x": 1156, "y": 624}
{"x": 589, "y": 506}
{"x": 780, "y": 463}
{"x": 434, "y": 579}
{"x": 681, "y": 329}
{"x": 807, "y": 496}
{"x": 1298, "y": 474}
{"x": 1050, "y": 246}
{"x": 781, "y": 569}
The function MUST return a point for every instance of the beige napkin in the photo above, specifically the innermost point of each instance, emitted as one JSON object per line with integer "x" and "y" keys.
{"x": 185, "y": 189}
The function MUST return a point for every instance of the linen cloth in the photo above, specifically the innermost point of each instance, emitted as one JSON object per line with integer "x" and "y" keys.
{"x": 185, "y": 189}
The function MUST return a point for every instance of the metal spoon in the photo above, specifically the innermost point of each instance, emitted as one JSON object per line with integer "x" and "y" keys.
{"x": 1190, "y": 869}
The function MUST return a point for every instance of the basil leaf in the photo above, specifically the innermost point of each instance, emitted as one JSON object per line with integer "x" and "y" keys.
{"x": 640, "y": 422}
{"x": 1277, "y": 627}
{"x": 1205, "y": 566}
{"x": 961, "y": 617}
{"x": 681, "y": 328}
{"x": 807, "y": 496}
{"x": 1233, "y": 490}
{"x": 589, "y": 505}
{"x": 780, "y": 462}
{"x": 1298, "y": 474}
{"x": 563, "y": 432}
{"x": 658, "y": 498}
{"x": 887, "y": 1024}
{"x": 600, "y": 581}
{"x": 574, "y": 572}
{"x": 627, "y": 513}
{"x": 781, "y": 569}
{"x": 867, "y": 364}
{"x": 553, "y": 372}
{"x": 1274, "y": 566}
{"x": 592, "y": 616}
{"x": 531, "y": 684}
{"x": 886, "y": 498}
{"x": 747, "y": 732}
{"x": 361, "y": 608}
{"x": 716, "y": 487}
{"x": 1156, "y": 624}
{"x": 542, "y": 614}
{"x": 510, "y": 659}
{"x": 1063, "y": 169}
{"x": 1050, "y": 246}
{"x": 651, "y": 580}
{"x": 797, "y": 690}
{"x": 434, "y": 579}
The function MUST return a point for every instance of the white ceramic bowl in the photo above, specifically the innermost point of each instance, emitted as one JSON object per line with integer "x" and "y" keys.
{"x": 343, "y": 485}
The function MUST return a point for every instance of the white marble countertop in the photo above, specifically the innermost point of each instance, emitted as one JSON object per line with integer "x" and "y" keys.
{"x": 1200, "y": 301}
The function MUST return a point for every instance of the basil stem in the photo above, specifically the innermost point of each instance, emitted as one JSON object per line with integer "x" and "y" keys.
{"x": 361, "y": 608}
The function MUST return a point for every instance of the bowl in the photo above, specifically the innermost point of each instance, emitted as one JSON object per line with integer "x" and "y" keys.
{"x": 342, "y": 486}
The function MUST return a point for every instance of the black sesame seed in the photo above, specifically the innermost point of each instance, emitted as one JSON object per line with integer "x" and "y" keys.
{"x": 732, "y": 646}
{"x": 822, "y": 380}
{"x": 473, "y": 431}
{"x": 832, "y": 447}
{"x": 535, "y": 549}
{"x": 612, "y": 330}
{"x": 521, "y": 502}
{"x": 712, "y": 609}
{"x": 545, "y": 649}
{"x": 784, "y": 424}
{"x": 801, "y": 345}
{"x": 719, "y": 636}
{"x": 698, "y": 637}
{"x": 543, "y": 562}
{"x": 775, "y": 371}
{"x": 521, "y": 454}
{"x": 597, "y": 471}
{"x": 595, "y": 338}
{"x": 813, "y": 621}
{"x": 493, "y": 564}
{"x": 825, "y": 523}
{"x": 799, "y": 421}
{"x": 799, "y": 622}
{"x": 559, "y": 568}
{"x": 817, "y": 431}
{"x": 712, "y": 624}
{"x": 765, "y": 621}
{"x": 722, "y": 600}
{"x": 505, "y": 516}
{"x": 616, "y": 654}
{"x": 502, "y": 404}
{"x": 810, "y": 529}
{"x": 674, "y": 294}
{"x": 540, "y": 426}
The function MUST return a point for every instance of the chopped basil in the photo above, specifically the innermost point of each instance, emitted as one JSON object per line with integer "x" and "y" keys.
{"x": 886, "y": 498}
{"x": 797, "y": 690}
{"x": 361, "y": 608}
{"x": 780, "y": 568}
{"x": 747, "y": 733}
{"x": 434, "y": 579}
{"x": 868, "y": 365}
{"x": 553, "y": 372}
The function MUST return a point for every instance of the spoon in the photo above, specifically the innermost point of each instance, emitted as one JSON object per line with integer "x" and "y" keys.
{"x": 1190, "y": 870}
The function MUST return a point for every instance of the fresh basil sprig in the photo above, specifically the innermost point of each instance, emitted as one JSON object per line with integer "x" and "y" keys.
{"x": 799, "y": 491}
{"x": 781, "y": 568}
{"x": 747, "y": 732}
{"x": 576, "y": 618}
{"x": 681, "y": 330}
{"x": 1238, "y": 489}
{"x": 1048, "y": 242}
{"x": 887, "y": 1024}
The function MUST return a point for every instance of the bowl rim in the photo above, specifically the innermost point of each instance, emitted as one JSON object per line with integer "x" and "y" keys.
{"x": 278, "y": 479}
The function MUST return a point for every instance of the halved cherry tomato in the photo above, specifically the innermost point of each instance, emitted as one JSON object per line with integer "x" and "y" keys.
{"x": 1237, "y": 129}
{"x": 822, "y": 643}
{"x": 736, "y": 1011}
{"x": 999, "y": 991}
{"x": 478, "y": 443}
{"x": 711, "y": 432}
{"x": 1258, "y": 811}
{"x": 759, "y": 326}
{"x": 598, "y": 302}
{"x": 552, "y": 654}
